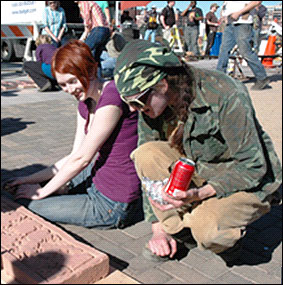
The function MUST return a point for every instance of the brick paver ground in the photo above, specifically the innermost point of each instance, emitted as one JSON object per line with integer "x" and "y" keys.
{"x": 38, "y": 128}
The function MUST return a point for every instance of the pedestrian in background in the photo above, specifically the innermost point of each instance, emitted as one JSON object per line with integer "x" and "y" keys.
{"x": 105, "y": 9}
{"x": 97, "y": 30}
{"x": 211, "y": 26}
{"x": 54, "y": 23}
{"x": 151, "y": 20}
{"x": 40, "y": 70}
{"x": 168, "y": 19}
{"x": 258, "y": 14}
{"x": 194, "y": 17}
{"x": 239, "y": 31}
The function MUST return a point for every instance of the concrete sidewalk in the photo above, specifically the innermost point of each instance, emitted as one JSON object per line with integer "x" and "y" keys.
{"x": 37, "y": 129}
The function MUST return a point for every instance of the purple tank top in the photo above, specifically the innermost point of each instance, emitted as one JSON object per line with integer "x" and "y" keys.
{"x": 114, "y": 173}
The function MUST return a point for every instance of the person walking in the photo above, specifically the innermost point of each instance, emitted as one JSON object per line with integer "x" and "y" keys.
{"x": 151, "y": 20}
{"x": 194, "y": 17}
{"x": 105, "y": 192}
{"x": 104, "y": 5}
{"x": 207, "y": 117}
{"x": 97, "y": 30}
{"x": 238, "y": 31}
{"x": 168, "y": 19}
{"x": 211, "y": 27}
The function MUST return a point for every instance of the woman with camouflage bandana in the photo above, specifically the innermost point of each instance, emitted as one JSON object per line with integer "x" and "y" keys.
{"x": 207, "y": 117}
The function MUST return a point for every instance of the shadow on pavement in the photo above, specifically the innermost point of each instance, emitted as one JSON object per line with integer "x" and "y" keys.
{"x": 10, "y": 93}
{"x": 115, "y": 262}
{"x": 47, "y": 263}
{"x": 273, "y": 78}
{"x": 13, "y": 125}
{"x": 27, "y": 170}
{"x": 262, "y": 238}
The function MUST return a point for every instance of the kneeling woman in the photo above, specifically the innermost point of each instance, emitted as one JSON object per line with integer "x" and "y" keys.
{"x": 109, "y": 187}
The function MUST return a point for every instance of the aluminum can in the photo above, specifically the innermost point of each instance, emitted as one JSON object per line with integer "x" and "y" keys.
{"x": 180, "y": 177}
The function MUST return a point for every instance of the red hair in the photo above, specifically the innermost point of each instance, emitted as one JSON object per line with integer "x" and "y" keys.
{"x": 75, "y": 58}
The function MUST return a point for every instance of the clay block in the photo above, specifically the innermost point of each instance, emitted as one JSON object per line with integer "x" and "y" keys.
{"x": 25, "y": 84}
{"x": 34, "y": 251}
{"x": 8, "y": 85}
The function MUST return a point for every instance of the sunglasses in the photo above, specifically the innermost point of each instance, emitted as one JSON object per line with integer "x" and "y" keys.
{"x": 52, "y": 2}
{"x": 140, "y": 101}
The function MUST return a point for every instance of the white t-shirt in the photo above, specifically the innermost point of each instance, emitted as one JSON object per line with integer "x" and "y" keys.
{"x": 231, "y": 7}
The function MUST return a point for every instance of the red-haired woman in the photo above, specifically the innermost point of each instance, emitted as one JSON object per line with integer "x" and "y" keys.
{"x": 109, "y": 188}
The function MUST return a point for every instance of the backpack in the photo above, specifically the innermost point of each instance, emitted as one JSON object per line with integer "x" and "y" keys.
{"x": 152, "y": 22}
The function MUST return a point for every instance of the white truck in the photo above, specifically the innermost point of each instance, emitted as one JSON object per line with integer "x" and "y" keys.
{"x": 21, "y": 23}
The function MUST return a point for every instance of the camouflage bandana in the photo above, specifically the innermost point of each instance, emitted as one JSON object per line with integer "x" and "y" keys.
{"x": 141, "y": 65}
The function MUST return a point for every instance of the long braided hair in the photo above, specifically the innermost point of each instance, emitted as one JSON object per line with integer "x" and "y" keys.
{"x": 182, "y": 84}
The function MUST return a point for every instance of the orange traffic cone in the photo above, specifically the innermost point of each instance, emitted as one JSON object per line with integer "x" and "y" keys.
{"x": 269, "y": 50}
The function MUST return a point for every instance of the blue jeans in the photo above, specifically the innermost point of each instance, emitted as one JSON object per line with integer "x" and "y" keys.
{"x": 86, "y": 206}
{"x": 191, "y": 38}
{"x": 241, "y": 35}
{"x": 148, "y": 33}
{"x": 108, "y": 64}
{"x": 96, "y": 40}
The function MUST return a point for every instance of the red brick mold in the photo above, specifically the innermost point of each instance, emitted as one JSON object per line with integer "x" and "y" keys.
{"x": 34, "y": 251}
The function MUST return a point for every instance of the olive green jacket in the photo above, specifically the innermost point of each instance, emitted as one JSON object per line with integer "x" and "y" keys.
{"x": 223, "y": 137}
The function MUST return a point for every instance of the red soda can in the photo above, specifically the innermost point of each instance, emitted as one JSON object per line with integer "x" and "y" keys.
{"x": 180, "y": 177}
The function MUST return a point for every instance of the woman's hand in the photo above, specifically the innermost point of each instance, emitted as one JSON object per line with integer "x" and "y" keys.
{"x": 29, "y": 191}
{"x": 16, "y": 181}
{"x": 184, "y": 197}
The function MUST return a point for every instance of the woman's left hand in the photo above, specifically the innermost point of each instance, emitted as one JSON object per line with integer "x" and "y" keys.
{"x": 184, "y": 197}
{"x": 28, "y": 191}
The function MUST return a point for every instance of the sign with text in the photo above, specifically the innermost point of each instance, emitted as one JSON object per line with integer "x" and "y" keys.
{"x": 13, "y": 12}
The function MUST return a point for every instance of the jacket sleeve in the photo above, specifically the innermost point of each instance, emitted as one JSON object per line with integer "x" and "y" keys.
{"x": 247, "y": 166}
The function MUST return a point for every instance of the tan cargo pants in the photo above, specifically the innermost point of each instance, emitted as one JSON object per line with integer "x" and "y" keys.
{"x": 216, "y": 224}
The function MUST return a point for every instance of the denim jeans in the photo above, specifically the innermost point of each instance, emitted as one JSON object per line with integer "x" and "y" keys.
{"x": 106, "y": 71}
{"x": 241, "y": 35}
{"x": 149, "y": 32}
{"x": 191, "y": 38}
{"x": 97, "y": 40}
{"x": 86, "y": 206}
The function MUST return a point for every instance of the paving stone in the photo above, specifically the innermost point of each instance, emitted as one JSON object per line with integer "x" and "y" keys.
{"x": 141, "y": 229}
{"x": 212, "y": 268}
{"x": 185, "y": 273}
{"x": 175, "y": 281}
{"x": 136, "y": 246}
{"x": 117, "y": 237}
{"x": 230, "y": 278}
{"x": 35, "y": 251}
{"x": 139, "y": 265}
{"x": 193, "y": 260}
{"x": 256, "y": 275}
{"x": 113, "y": 250}
{"x": 154, "y": 276}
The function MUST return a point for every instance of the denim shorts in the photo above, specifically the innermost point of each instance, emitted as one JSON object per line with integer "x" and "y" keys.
{"x": 85, "y": 206}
